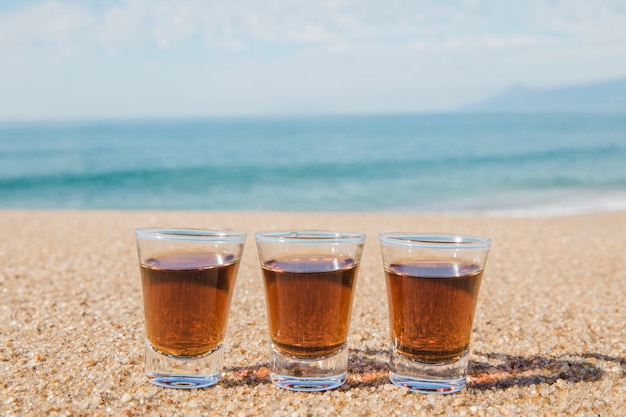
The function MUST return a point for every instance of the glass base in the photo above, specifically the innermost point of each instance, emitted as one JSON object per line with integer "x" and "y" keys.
{"x": 186, "y": 373}
{"x": 427, "y": 378}
{"x": 184, "y": 382}
{"x": 308, "y": 375}
{"x": 293, "y": 383}
{"x": 428, "y": 386}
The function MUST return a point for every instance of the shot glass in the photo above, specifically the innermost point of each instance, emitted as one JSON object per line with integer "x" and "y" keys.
{"x": 432, "y": 288}
{"x": 309, "y": 279}
{"x": 187, "y": 277}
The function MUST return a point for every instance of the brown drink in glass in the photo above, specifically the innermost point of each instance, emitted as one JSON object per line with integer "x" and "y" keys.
{"x": 309, "y": 279}
{"x": 309, "y": 303}
{"x": 433, "y": 282}
{"x": 187, "y": 279}
{"x": 433, "y": 304}
{"x": 186, "y": 301}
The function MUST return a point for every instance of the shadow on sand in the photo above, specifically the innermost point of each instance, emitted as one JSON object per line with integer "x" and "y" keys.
{"x": 368, "y": 367}
{"x": 502, "y": 371}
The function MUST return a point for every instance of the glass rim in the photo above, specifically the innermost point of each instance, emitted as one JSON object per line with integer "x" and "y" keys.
{"x": 309, "y": 236}
{"x": 186, "y": 233}
{"x": 434, "y": 240}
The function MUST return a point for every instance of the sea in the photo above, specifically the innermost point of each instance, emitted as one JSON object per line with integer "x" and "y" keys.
{"x": 494, "y": 164}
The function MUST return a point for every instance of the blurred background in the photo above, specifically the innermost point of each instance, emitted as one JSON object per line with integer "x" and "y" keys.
{"x": 464, "y": 106}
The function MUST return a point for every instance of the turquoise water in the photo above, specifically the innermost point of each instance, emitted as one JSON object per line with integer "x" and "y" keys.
{"x": 510, "y": 164}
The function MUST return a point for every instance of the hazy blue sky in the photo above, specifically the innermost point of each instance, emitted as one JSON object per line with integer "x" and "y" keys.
{"x": 92, "y": 59}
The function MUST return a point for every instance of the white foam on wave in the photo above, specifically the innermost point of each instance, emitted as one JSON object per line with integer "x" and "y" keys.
{"x": 547, "y": 204}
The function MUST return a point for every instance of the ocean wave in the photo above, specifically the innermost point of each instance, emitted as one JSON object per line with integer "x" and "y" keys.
{"x": 487, "y": 164}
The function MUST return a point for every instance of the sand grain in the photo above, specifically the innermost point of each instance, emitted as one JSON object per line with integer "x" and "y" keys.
{"x": 549, "y": 335}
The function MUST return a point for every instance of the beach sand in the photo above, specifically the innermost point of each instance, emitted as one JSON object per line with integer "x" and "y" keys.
{"x": 549, "y": 335}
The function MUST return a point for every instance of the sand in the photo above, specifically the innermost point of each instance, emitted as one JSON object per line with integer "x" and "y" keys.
{"x": 549, "y": 336}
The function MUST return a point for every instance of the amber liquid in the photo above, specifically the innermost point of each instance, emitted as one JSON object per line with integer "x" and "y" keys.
{"x": 432, "y": 308}
{"x": 186, "y": 301}
{"x": 309, "y": 300}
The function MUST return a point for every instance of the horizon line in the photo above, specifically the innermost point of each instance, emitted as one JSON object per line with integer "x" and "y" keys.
{"x": 303, "y": 115}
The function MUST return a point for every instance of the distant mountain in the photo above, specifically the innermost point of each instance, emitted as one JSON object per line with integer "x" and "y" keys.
{"x": 608, "y": 96}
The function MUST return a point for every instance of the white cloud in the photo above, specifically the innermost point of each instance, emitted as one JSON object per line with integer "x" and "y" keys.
{"x": 71, "y": 27}
{"x": 337, "y": 53}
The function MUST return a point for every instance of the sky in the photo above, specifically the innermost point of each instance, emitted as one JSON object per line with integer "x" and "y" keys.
{"x": 194, "y": 58}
